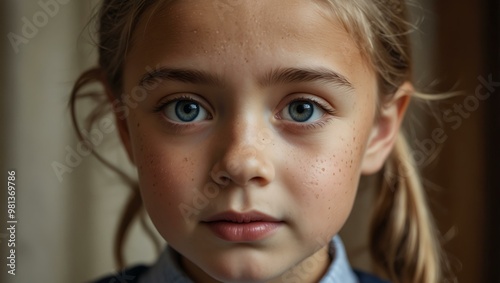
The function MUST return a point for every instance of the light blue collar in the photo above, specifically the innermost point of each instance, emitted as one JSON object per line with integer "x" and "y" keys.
{"x": 167, "y": 269}
{"x": 340, "y": 270}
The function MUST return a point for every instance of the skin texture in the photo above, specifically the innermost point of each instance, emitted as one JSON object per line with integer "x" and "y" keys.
{"x": 246, "y": 153}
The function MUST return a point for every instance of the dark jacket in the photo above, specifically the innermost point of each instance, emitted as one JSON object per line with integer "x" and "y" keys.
{"x": 132, "y": 275}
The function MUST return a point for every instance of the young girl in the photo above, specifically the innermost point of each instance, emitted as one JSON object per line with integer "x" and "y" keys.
{"x": 250, "y": 124}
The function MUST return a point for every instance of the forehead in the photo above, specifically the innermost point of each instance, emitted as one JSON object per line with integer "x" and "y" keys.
{"x": 228, "y": 33}
{"x": 270, "y": 14}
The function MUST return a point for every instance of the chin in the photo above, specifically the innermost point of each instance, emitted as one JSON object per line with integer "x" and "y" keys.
{"x": 243, "y": 279}
{"x": 251, "y": 273}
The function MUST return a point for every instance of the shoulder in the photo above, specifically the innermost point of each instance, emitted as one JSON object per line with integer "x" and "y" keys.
{"x": 368, "y": 278}
{"x": 129, "y": 275}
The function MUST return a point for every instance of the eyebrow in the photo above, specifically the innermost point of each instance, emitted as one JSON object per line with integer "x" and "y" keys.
{"x": 298, "y": 75}
{"x": 181, "y": 75}
{"x": 275, "y": 76}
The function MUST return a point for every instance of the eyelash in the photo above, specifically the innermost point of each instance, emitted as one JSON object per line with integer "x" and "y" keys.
{"x": 313, "y": 125}
{"x": 316, "y": 124}
{"x": 161, "y": 106}
{"x": 322, "y": 105}
{"x": 164, "y": 103}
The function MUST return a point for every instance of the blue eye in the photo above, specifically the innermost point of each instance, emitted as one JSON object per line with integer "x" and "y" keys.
{"x": 302, "y": 111}
{"x": 185, "y": 111}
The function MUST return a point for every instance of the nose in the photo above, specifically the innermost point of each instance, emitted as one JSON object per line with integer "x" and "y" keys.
{"x": 244, "y": 158}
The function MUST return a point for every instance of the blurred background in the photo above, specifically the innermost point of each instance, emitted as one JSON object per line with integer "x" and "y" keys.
{"x": 67, "y": 209}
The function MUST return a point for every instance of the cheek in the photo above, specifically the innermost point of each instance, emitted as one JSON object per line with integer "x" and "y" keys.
{"x": 324, "y": 183}
{"x": 169, "y": 177}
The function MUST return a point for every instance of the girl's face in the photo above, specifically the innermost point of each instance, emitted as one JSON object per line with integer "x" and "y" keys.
{"x": 252, "y": 136}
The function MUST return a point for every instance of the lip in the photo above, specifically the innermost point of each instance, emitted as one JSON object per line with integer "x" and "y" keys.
{"x": 242, "y": 227}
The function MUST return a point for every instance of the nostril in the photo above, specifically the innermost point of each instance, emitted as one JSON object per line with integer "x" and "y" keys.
{"x": 221, "y": 178}
{"x": 225, "y": 180}
{"x": 241, "y": 165}
{"x": 259, "y": 181}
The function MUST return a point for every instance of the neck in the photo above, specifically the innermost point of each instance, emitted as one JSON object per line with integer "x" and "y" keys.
{"x": 310, "y": 270}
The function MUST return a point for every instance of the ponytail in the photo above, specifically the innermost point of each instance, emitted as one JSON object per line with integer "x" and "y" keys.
{"x": 134, "y": 206}
{"x": 404, "y": 241}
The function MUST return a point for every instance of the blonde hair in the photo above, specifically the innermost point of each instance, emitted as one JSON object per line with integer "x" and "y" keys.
{"x": 404, "y": 242}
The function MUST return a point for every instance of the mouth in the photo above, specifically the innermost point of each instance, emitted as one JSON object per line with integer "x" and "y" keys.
{"x": 242, "y": 227}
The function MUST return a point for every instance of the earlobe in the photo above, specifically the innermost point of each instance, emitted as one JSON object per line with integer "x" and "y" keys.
{"x": 120, "y": 120}
{"x": 385, "y": 130}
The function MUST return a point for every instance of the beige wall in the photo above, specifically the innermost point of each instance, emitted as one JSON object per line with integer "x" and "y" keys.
{"x": 64, "y": 233}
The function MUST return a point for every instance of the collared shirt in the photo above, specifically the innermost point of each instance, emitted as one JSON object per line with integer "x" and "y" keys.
{"x": 167, "y": 268}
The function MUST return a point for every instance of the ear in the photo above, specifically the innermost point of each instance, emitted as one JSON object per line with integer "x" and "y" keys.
{"x": 385, "y": 130}
{"x": 120, "y": 112}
